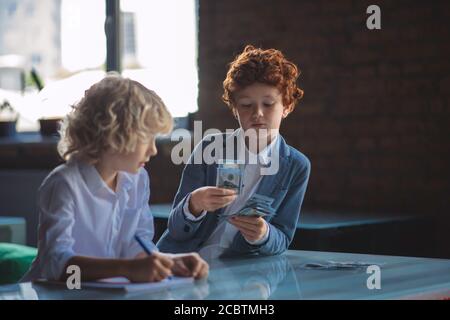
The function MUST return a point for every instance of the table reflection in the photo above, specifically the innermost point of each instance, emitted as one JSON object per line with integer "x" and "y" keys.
{"x": 20, "y": 291}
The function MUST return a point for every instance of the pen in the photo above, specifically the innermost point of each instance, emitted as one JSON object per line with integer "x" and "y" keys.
{"x": 146, "y": 249}
{"x": 143, "y": 245}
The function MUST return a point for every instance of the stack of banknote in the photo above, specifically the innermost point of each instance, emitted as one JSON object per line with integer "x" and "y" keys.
{"x": 229, "y": 176}
{"x": 257, "y": 205}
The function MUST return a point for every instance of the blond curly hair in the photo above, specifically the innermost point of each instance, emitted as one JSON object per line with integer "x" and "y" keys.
{"x": 114, "y": 114}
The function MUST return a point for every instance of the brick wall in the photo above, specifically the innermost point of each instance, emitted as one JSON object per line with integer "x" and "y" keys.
{"x": 375, "y": 117}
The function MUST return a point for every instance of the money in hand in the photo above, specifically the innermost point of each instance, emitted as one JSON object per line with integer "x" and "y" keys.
{"x": 258, "y": 205}
{"x": 229, "y": 176}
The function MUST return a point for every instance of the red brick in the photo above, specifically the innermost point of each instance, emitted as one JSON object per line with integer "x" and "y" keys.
{"x": 365, "y": 144}
{"x": 444, "y": 86}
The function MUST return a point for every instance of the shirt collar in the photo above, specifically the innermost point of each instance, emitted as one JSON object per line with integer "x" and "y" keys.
{"x": 95, "y": 182}
{"x": 264, "y": 156}
{"x": 124, "y": 180}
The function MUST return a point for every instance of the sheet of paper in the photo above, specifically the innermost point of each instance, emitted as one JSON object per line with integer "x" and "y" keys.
{"x": 126, "y": 285}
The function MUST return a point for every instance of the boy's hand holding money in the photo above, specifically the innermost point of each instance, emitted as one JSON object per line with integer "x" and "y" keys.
{"x": 252, "y": 228}
{"x": 210, "y": 199}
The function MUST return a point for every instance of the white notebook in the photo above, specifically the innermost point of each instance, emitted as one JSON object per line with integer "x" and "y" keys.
{"x": 126, "y": 285}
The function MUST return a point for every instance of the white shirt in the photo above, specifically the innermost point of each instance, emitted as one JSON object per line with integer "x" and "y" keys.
{"x": 80, "y": 215}
{"x": 224, "y": 233}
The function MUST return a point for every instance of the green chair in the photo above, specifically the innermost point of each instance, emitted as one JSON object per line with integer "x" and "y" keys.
{"x": 15, "y": 260}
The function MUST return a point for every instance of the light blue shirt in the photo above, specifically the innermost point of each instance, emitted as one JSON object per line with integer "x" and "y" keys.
{"x": 79, "y": 215}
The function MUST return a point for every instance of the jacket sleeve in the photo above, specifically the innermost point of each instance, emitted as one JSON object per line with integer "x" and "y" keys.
{"x": 193, "y": 177}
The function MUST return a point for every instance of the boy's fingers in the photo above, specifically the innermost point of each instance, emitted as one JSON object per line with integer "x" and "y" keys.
{"x": 249, "y": 220}
{"x": 191, "y": 265}
{"x": 217, "y": 202}
{"x": 225, "y": 200}
{"x": 227, "y": 192}
{"x": 181, "y": 270}
{"x": 166, "y": 263}
{"x": 203, "y": 271}
{"x": 196, "y": 265}
{"x": 161, "y": 276}
{"x": 222, "y": 191}
{"x": 251, "y": 232}
{"x": 229, "y": 198}
{"x": 161, "y": 269}
{"x": 248, "y": 236}
{"x": 251, "y": 224}
{"x": 216, "y": 205}
{"x": 220, "y": 203}
{"x": 244, "y": 228}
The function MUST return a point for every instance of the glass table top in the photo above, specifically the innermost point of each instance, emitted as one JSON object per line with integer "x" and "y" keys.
{"x": 294, "y": 275}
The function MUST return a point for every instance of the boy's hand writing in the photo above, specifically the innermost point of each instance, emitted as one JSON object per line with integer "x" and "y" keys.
{"x": 189, "y": 265}
{"x": 152, "y": 268}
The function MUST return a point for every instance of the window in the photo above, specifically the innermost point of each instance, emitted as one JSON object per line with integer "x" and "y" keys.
{"x": 36, "y": 58}
{"x": 83, "y": 43}
{"x": 30, "y": 9}
{"x": 59, "y": 39}
{"x": 65, "y": 42}
{"x": 12, "y": 8}
{"x": 160, "y": 50}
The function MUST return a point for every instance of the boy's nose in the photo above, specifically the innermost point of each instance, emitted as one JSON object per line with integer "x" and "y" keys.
{"x": 258, "y": 111}
{"x": 152, "y": 151}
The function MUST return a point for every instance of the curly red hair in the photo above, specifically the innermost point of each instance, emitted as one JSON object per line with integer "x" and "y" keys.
{"x": 263, "y": 66}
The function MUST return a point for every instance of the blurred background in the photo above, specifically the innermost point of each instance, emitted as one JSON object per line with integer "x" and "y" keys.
{"x": 66, "y": 40}
{"x": 374, "y": 120}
